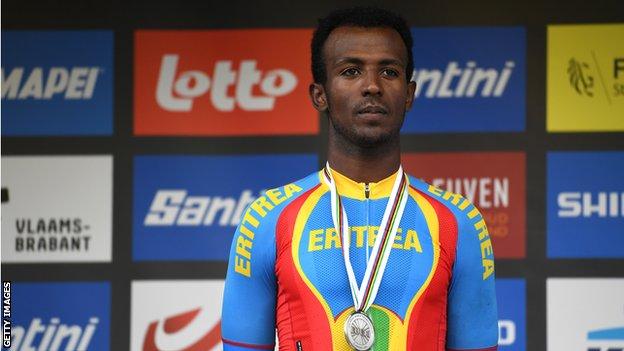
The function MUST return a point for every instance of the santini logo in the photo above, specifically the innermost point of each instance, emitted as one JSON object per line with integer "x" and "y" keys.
{"x": 55, "y": 336}
{"x": 186, "y": 331}
{"x": 463, "y": 82}
{"x": 175, "y": 92}
{"x": 587, "y": 204}
{"x": 76, "y": 83}
{"x": 175, "y": 207}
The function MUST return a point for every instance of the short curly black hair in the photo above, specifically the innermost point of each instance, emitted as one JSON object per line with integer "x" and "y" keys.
{"x": 367, "y": 17}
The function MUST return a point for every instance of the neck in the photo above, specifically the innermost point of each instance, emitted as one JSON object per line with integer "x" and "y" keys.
{"x": 364, "y": 164}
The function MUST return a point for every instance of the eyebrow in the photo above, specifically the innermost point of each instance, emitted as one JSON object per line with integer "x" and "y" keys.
{"x": 357, "y": 61}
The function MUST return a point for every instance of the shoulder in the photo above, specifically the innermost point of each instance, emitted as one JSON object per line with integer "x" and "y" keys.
{"x": 472, "y": 234}
{"x": 464, "y": 211}
{"x": 254, "y": 240}
{"x": 266, "y": 209}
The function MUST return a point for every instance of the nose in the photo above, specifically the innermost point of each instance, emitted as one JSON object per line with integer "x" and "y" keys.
{"x": 371, "y": 84}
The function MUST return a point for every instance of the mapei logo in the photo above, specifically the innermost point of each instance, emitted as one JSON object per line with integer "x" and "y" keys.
{"x": 234, "y": 82}
{"x": 57, "y": 82}
{"x": 585, "y": 200}
{"x": 77, "y": 83}
{"x": 190, "y": 321}
{"x": 468, "y": 79}
{"x": 194, "y": 203}
{"x": 61, "y": 316}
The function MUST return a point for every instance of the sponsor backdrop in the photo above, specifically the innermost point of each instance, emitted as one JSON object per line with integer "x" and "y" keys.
{"x": 134, "y": 136}
{"x": 191, "y": 320}
{"x": 595, "y": 305}
{"x": 57, "y": 208}
{"x": 185, "y": 209}
{"x": 57, "y": 83}
{"x": 511, "y": 298}
{"x": 61, "y": 316}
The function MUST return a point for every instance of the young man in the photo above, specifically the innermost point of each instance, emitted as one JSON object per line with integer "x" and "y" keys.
{"x": 359, "y": 255}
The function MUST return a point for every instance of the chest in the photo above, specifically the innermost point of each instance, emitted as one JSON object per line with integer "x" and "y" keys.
{"x": 317, "y": 255}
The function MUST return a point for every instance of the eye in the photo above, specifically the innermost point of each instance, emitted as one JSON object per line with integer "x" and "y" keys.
{"x": 389, "y": 72}
{"x": 350, "y": 72}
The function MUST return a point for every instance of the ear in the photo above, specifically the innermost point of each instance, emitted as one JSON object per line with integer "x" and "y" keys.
{"x": 411, "y": 90}
{"x": 318, "y": 97}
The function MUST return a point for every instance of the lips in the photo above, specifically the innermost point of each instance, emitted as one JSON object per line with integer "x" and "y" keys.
{"x": 372, "y": 109}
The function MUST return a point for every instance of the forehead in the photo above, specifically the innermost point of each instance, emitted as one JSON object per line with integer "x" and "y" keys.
{"x": 364, "y": 43}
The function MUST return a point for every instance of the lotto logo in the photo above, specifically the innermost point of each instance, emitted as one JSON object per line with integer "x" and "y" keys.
{"x": 236, "y": 82}
{"x": 191, "y": 84}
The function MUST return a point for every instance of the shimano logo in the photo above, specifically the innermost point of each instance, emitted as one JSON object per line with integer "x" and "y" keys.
{"x": 506, "y": 332}
{"x": 176, "y": 207}
{"x": 467, "y": 81}
{"x": 77, "y": 83}
{"x": 177, "y": 91}
{"x": 55, "y": 336}
{"x": 591, "y": 204}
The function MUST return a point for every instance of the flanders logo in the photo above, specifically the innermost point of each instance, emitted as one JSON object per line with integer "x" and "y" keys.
{"x": 580, "y": 79}
{"x": 585, "y": 78}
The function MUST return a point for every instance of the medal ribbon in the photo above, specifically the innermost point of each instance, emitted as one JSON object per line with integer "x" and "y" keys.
{"x": 364, "y": 295}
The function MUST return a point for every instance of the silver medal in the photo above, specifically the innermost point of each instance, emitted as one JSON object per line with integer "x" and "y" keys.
{"x": 359, "y": 331}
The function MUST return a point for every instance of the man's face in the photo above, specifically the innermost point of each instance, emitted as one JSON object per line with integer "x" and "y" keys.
{"x": 366, "y": 92}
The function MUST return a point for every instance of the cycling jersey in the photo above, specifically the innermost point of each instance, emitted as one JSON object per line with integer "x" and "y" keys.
{"x": 287, "y": 271}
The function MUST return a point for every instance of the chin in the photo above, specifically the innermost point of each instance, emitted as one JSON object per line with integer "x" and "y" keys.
{"x": 374, "y": 139}
{"x": 366, "y": 135}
